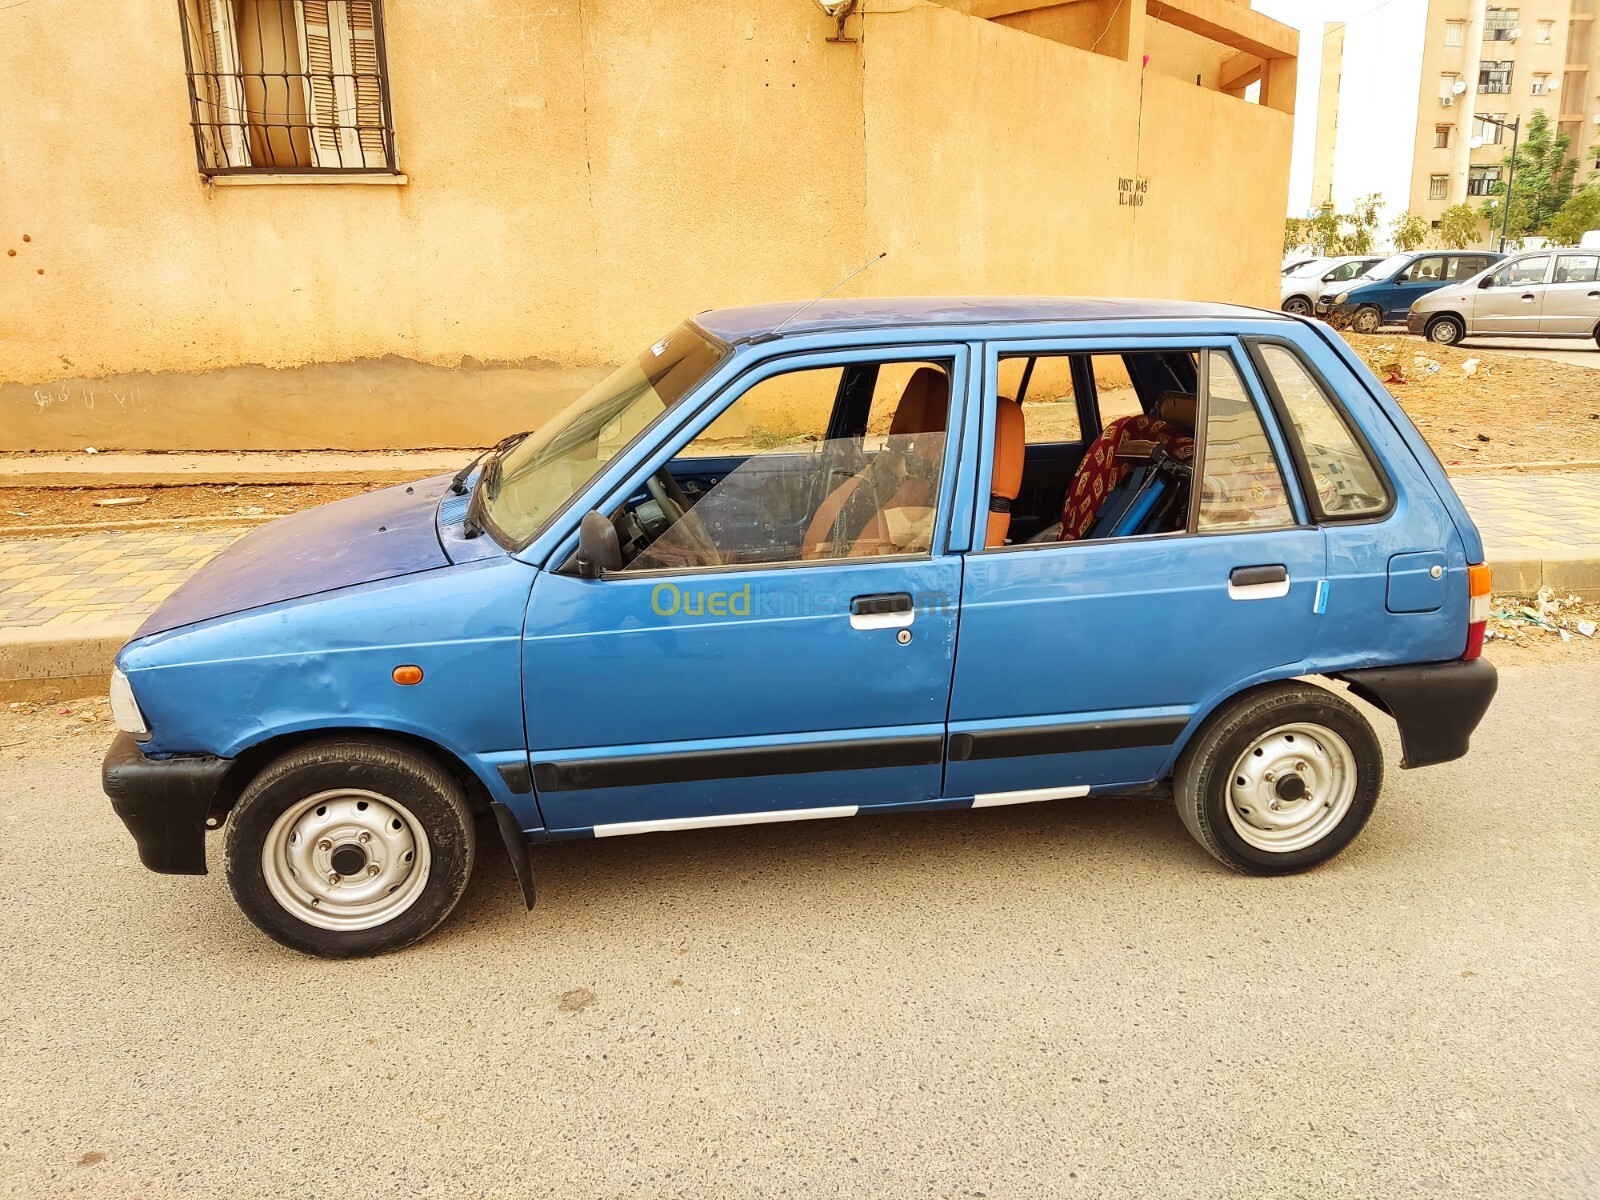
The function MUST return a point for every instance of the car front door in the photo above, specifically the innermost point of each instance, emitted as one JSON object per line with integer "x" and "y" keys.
{"x": 1081, "y": 663}
{"x": 1423, "y": 275}
{"x": 1513, "y": 299}
{"x": 783, "y": 651}
{"x": 1572, "y": 297}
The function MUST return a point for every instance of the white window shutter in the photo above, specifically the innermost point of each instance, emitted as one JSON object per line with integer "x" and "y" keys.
{"x": 225, "y": 124}
{"x": 338, "y": 43}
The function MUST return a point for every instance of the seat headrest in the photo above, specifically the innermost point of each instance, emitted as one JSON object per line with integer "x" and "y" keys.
{"x": 925, "y": 404}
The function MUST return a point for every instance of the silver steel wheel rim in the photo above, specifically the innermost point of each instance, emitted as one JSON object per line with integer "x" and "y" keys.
{"x": 1439, "y": 335}
{"x": 1266, "y": 805}
{"x": 309, "y": 859}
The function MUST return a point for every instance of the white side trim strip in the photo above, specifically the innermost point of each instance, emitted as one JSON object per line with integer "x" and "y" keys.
{"x": 623, "y": 828}
{"x": 996, "y": 799}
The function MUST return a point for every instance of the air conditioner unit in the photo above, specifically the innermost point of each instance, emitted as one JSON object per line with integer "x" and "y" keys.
{"x": 1447, "y": 101}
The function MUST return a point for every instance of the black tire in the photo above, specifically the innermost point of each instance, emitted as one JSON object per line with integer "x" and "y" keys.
{"x": 1446, "y": 330}
{"x": 394, "y": 774}
{"x": 1297, "y": 305}
{"x": 1205, "y": 775}
{"x": 1367, "y": 319}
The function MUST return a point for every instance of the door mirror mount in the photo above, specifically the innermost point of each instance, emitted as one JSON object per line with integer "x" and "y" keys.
{"x": 598, "y": 548}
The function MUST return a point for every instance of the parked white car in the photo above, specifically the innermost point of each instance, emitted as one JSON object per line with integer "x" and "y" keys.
{"x": 1538, "y": 293}
{"x": 1303, "y": 286}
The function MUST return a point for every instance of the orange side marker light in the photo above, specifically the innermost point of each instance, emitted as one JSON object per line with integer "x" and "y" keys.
{"x": 408, "y": 675}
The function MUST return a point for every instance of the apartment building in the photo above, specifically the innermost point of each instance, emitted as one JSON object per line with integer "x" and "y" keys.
{"x": 283, "y": 224}
{"x": 1502, "y": 63}
{"x": 1471, "y": 70}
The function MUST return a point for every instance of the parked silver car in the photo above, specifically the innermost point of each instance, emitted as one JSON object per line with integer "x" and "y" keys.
{"x": 1540, "y": 293}
{"x": 1303, "y": 285}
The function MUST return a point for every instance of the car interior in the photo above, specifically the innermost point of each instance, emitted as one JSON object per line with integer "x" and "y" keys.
{"x": 1114, "y": 430}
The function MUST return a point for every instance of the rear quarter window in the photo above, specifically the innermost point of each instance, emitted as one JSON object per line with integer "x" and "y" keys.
{"x": 1344, "y": 483}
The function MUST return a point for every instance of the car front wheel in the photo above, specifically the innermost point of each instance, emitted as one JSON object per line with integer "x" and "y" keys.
{"x": 1446, "y": 331}
{"x": 1279, "y": 780}
{"x": 344, "y": 848}
{"x": 1368, "y": 319}
{"x": 1298, "y": 306}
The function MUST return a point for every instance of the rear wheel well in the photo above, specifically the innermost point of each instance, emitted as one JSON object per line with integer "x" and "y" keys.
{"x": 247, "y": 764}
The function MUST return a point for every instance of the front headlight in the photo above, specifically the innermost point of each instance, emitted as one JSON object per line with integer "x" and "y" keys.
{"x": 1341, "y": 297}
{"x": 125, "y": 709}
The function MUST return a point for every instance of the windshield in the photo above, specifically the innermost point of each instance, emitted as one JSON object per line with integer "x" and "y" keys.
{"x": 1387, "y": 267}
{"x": 536, "y": 478}
{"x": 1310, "y": 268}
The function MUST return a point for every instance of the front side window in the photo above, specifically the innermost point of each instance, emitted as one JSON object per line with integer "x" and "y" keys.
{"x": 521, "y": 490}
{"x": 288, "y": 86}
{"x": 1424, "y": 270}
{"x": 1344, "y": 482}
{"x": 765, "y": 483}
{"x": 1527, "y": 271}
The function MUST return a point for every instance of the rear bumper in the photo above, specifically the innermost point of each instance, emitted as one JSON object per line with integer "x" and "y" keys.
{"x": 1436, "y": 705}
{"x": 164, "y": 803}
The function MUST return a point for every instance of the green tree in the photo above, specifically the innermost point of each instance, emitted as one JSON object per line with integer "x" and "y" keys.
{"x": 1322, "y": 231}
{"x": 1362, "y": 222}
{"x": 1577, "y": 216}
{"x": 1458, "y": 227}
{"x": 1542, "y": 181}
{"x": 1410, "y": 231}
{"x": 1293, "y": 234}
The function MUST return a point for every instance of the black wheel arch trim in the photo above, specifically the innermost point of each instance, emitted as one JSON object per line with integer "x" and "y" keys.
{"x": 1435, "y": 705}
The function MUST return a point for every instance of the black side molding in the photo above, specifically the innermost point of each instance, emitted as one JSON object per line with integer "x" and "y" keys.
{"x": 1436, "y": 705}
{"x": 645, "y": 770}
{"x": 1065, "y": 739}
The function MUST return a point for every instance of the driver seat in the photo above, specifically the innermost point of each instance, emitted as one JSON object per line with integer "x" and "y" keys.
{"x": 866, "y": 527}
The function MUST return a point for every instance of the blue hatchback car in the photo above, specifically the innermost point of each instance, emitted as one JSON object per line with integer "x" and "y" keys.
{"x": 1385, "y": 294}
{"x": 867, "y": 556}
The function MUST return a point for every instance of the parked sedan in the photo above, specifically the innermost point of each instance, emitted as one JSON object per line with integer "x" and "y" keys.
{"x": 1303, "y": 287}
{"x": 1541, "y": 293}
{"x": 1384, "y": 294}
{"x": 792, "y": 564}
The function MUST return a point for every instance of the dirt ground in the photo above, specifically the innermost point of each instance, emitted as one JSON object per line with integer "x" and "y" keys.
{"x": 23, "y": 507}
{"x": 1506, "y": 410}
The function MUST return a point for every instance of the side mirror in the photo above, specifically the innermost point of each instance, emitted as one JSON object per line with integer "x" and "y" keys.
{"x": 1486, "y": 281}
{"x": 598, "y": 549}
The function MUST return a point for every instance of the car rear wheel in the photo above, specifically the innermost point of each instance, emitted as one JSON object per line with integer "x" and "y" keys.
{"x": 1368, "y": 319}
{"x": 1280, "y": 780}
{"x": 1297, "y": 305}
{"x": 1446, "y": 331}
{"x": 345, "y": 848}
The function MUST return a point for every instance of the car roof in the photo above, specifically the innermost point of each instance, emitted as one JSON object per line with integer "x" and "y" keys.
{"x": 796, "y": 317}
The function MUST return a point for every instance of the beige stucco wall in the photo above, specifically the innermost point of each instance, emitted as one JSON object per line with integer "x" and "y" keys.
{"x": 579, "y": 178}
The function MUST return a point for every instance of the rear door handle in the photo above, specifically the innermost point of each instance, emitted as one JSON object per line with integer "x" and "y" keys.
{"x": 1263, "y": 582}
{"x": 886, "y": 610}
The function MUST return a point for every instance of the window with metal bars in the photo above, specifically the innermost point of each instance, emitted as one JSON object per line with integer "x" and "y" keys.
{"x": 1481, "y": 180}
{"x": 288, "y": 86}
{"x": 1499, "y": 24}
{"x": 1438, "y": 186}
{"x": 1495, "y": 77}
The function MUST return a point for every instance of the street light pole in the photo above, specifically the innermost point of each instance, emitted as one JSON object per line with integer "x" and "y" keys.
{"x": 1511, "y": 175}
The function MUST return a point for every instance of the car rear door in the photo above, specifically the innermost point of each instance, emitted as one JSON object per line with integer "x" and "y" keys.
{"x": 1081, "y": 664}
{"x": 1572, "y": 297}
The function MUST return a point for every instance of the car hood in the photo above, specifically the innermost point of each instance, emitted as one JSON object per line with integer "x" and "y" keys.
{"x": 376, "y": 536}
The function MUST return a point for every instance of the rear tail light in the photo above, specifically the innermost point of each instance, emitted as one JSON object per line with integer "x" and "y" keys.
{"x": 1477, "y": 609}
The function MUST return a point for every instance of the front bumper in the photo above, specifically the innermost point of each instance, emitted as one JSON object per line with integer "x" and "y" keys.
{"x": 1416, "y": 323}
{"x": 164, "y": 803}
{"x": 1436, "y": 705}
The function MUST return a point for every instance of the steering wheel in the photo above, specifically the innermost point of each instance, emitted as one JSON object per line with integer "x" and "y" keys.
{"x": 664, "y": 490}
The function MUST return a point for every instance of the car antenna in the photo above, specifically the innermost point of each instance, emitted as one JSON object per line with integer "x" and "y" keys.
{"x": 773, "y": 332}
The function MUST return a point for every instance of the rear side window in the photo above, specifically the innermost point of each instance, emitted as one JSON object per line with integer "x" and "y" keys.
{"x": 1344, "y": 483}
{"x": 1241, "y": 487}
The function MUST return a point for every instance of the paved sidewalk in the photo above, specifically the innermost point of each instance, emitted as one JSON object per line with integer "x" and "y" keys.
{"x": 65, "y": 601}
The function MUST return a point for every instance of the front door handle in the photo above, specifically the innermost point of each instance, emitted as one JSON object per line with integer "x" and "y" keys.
{"x": 885, "y": 610}
{"x": 1264, "y": 582}
{"x": 1594, "y": 295}
{"x": 1529, "y": 296}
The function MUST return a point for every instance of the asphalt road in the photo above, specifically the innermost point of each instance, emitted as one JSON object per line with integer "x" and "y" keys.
{"x": 1062, "y": 1000}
